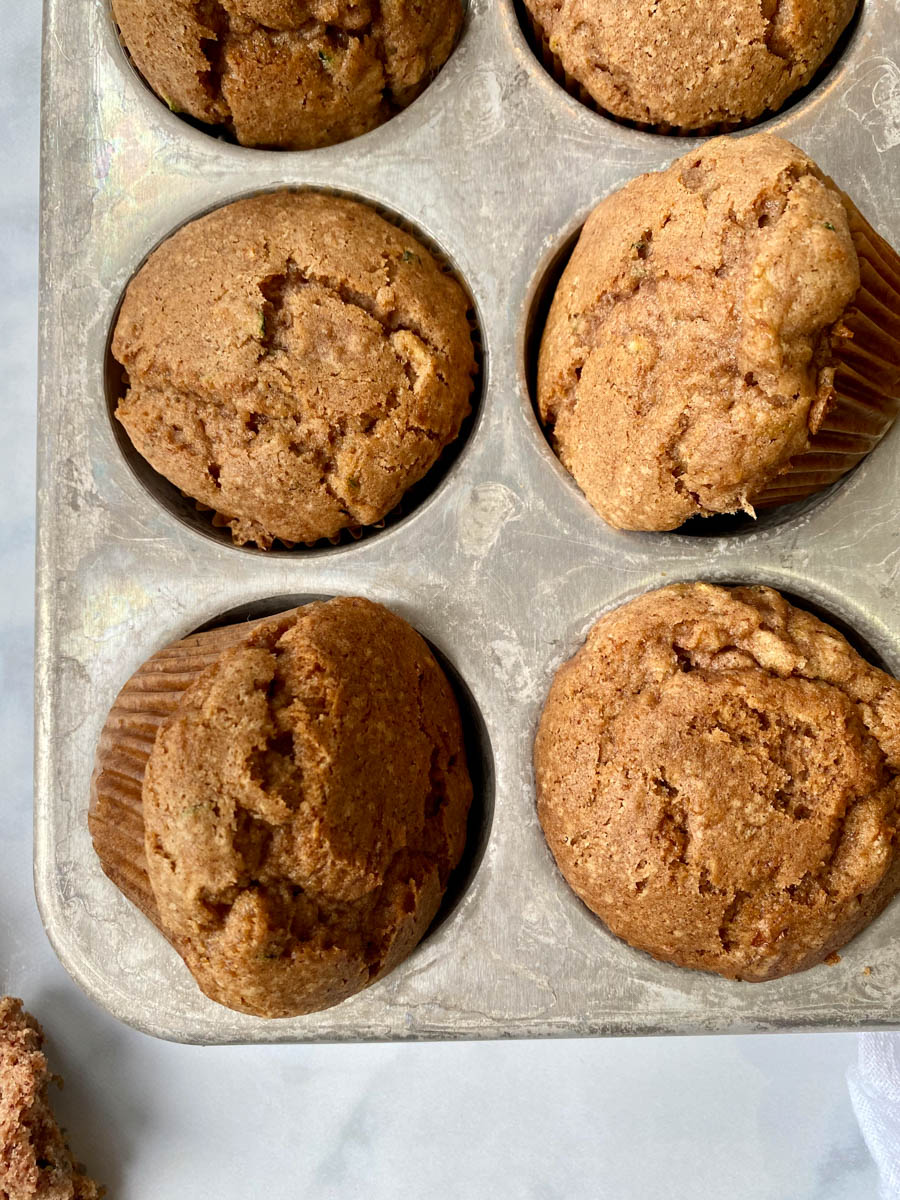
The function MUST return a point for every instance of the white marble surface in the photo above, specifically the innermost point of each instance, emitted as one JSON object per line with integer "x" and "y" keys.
{"x": 766, "y": 1118}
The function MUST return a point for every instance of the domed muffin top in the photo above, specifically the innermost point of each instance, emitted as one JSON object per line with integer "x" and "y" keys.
{"x": 687, "y": 356}
{"x": 719, "y": 779}
{"x": 294, "y": 362}
{"x": 288, "y": 74}
{"x": 688, "y": 65}
{"x": 304, "y": 807}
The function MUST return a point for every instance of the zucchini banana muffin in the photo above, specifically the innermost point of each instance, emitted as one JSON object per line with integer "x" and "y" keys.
{"x": 725, "y": 337}
{"x": 35, "y": 1160}
{"x": 718, "y": 778}
{"x": 288, "y": 74}
{"x": 295, "y": 363}
{"x": 286, "y": 801}
{"x": 681, "y": 66}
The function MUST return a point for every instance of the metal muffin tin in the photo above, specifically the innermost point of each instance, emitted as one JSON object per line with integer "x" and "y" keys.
{"x": 503, "y": 566}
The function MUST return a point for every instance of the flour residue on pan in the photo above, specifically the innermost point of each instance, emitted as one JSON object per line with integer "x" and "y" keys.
{"x": 482, "y": 515}
{"x": 874, "y": 99}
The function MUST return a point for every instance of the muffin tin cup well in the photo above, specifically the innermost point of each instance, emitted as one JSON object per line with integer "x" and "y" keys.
{"x": 152, "y": 695}
{"x": 503, "y": 568}
{"x": 869, "y": 637}
{"x": 211, "y": 524}
{"x": 192, "y": 124}
{"x": 783, "y": 503}
{"x": 540, "y": 46}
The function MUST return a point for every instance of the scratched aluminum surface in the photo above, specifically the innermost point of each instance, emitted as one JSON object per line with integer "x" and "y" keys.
{"x": 503, "y": 569}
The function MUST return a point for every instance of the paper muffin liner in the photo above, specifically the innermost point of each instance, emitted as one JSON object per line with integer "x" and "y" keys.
{"x": 865, "y": 393}
{"x": 149, "y": 698}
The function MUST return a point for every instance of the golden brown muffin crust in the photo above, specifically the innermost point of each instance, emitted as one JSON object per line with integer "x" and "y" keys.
{"x": 304, "y": 808}
{"x": 295, "y": 362}
{"x": 289, "y": 74}
{"x": 718, "y": 778}
{"x": 687, "y": 64}
{"x": 687, "y": 357}
{"x": 35, "y": 1161}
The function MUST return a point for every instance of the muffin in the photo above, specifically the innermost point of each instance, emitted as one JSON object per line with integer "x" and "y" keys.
{"x": 724, "y": 337}
{"x": 35, "y": 1160}
{"x": 286, "y": 801}
{"x": 683, "y": 67}
{"x": 718, "y": 777}
{"x": 295, "y": 363}
{"x": 288, "y": 74}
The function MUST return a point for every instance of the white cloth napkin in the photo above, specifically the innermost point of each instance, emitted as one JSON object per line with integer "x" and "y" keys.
{"x": 875, "y": 1091}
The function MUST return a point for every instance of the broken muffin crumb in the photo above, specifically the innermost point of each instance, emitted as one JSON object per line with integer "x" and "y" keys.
{"x": 35, "y": 1161}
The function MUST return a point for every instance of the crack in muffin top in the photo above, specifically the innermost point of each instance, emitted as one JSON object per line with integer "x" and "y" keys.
{"x": 305, "y": 806}
{"x": 687, "y": 356}
{"x": 719, "y": 780}
{"x": 288, "y": 74}
{"x": 295, "y": 363}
